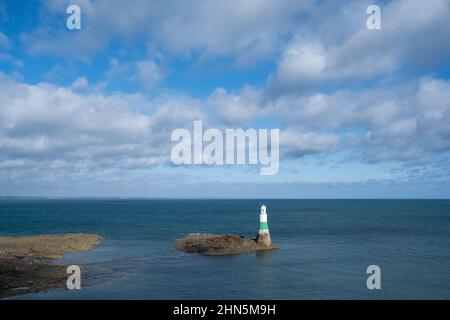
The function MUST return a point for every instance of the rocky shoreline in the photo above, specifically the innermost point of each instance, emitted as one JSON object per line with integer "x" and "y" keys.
{"x": 220, "y": 244}
{"x": 25, "y": 262}
{"x": 27, "y": 266}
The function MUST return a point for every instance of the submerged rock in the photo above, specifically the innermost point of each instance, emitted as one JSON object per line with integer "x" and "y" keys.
{"x": 25, "y": 265}
{"x": 219, "y": 244}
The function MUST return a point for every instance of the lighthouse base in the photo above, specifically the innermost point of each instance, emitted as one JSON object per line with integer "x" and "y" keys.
{"x": 264, "y": 238}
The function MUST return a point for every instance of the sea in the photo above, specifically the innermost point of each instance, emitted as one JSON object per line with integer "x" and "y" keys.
{"x": 325, "y": 249}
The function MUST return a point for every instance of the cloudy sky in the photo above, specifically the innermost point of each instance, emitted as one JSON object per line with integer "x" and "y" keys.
{"x": 362, "y": 113}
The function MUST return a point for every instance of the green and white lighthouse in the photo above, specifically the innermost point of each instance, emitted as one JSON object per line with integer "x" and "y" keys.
{"x": 263, "y": 232}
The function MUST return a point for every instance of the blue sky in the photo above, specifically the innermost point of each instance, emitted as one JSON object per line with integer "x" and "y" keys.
{"x": 362, "y": 113}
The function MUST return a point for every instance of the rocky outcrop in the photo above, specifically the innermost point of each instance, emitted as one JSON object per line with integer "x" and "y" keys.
{"x": 25, "y": 265}
{"x": 216, "y": 245}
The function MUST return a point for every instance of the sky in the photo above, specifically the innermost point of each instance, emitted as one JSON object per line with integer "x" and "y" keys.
{"x": 89, "y": 113}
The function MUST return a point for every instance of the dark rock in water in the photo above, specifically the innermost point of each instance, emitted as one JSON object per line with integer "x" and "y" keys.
{"x": 219, "y": 244}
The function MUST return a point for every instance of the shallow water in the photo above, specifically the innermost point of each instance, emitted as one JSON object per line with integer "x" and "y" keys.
{"x": 326, "y": 246}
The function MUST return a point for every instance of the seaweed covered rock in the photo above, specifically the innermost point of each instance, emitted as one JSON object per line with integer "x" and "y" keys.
{"x": 219, "y": 244}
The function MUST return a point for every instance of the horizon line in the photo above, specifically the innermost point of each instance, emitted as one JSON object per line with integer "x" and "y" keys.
{"x": 3, "y": 197}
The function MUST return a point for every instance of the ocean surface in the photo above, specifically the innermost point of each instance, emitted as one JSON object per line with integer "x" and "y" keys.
{"x": 326, "y": 246}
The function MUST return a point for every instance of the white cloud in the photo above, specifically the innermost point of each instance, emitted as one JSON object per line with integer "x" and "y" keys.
{"x": 80, "y": 84}
{"x": 44, "y": 122}
{"x": 301, "y": 62}
{"x": 296, "y": 144}
{"x": 408, "y": 123}
{"x": 237, "y": 109}
{"x": 149, "y": 74}
{"x": 414, "y": 34}
{"x": 44, "y": 127}
{"x": 228, "y": 27}
{"x": 146, "y": 73}
{"x": 249, "y": 30}
{"x": 322, "y": 44}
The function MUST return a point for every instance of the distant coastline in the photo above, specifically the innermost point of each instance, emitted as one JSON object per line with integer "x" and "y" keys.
{"x": 3, "y": 197}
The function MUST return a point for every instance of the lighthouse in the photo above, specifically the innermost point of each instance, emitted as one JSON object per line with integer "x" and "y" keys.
{"x": 263, "y": 232}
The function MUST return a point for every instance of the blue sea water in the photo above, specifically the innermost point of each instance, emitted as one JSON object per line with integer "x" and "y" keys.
{"x": 326, "y": 246}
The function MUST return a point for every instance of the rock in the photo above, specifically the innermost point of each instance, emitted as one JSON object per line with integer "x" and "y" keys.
{"x": 25, "y": 265}
{"x": 215, "y": 245}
